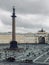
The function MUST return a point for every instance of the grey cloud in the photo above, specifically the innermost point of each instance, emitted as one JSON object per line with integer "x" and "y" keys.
{"x": 6, "y": 20}
{"x": 26, "y": 6}
{"x": 21, "y": 23}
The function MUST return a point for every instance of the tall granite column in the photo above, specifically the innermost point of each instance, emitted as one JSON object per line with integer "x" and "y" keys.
{"x": 13, "y": 43}
{"x": 13, "y": 24}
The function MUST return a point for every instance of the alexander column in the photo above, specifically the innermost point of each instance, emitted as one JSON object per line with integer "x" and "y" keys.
{"x": 13, "y": 24}
{"x": 13, "y": 43}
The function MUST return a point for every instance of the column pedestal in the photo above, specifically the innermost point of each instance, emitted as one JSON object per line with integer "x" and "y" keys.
{"x": 13, "y": 45}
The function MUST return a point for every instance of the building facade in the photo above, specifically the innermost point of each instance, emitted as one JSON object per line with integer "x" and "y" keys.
{"x": 40, "y": 36}
{"x": 27, "y": 37}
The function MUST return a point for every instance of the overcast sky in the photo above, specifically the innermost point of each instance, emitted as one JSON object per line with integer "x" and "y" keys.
{"x": 32, "y": 15}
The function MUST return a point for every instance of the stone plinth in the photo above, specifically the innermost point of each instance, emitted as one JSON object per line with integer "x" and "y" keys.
{"x": 13, "y": 44}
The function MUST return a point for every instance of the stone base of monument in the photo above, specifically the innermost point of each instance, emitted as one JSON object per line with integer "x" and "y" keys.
{"x": 13, "y": 45}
